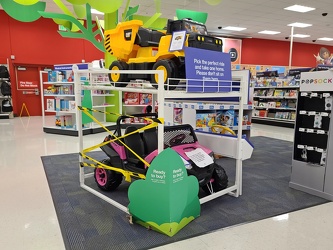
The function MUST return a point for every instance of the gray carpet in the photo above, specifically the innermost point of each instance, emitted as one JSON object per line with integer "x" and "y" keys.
{"x": 87, "y": 222}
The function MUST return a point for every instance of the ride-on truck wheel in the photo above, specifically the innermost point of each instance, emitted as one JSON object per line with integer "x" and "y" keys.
{"x": 107, "y": 180}
{"x": 120, "y": 80}
{"x": 170, "y": 71}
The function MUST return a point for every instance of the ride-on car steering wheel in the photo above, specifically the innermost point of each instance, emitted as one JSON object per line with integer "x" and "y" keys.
{"x": 219, "y": 129}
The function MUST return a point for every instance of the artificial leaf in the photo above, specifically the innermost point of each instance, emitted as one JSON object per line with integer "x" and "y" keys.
{"x": 167, "y": 200}
{"x": 80, "y": 10}
{"x": 23, "y": 13}
{"x": 213, "y": 2}
{"x": 26, "y": 2}
{"x": 131, "y": 11}
{"x": 77, "y": 2}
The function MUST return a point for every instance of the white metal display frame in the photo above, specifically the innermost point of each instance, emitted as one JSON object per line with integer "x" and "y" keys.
{"x": 161, "y": 93}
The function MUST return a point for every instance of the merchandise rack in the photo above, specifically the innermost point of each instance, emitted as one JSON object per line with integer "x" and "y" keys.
{"x": 234, "y": 190}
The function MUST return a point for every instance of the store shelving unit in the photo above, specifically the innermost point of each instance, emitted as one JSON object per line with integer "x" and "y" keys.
{"x": 193, "y": 112}
{"x": 5, "y": 115}
{"x": 99, "y": 100}
{"x": 312, "y": 163}
{"x": 59, "y": 113}
{"x": 274, "y": 101}
{"x": 163, "y": 94}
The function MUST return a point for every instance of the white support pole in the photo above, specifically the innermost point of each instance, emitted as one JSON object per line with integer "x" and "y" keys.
{"x": 291, "y": 45}
{"x": 160, "y": 99}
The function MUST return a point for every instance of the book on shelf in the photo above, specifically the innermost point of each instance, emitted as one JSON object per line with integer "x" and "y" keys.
{"x": 50, "y": 104}
{"x": 262, "y": 113}
{"x": 284, "y": 104}
{"x": 291, "y": 93}
{"x": 260, "y": 92}
{"x": 71, "y": 105}
{"x": 270, "y": 92}
{"x": 271, "y": 105}
{"x": 278, "y": 93}
{"x": 283, "y": 115}
{"x": 262, "y": 104}
{"x": 57, "y": 104}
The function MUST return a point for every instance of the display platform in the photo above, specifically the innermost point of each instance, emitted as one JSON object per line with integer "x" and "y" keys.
{"x": 88, "y": 222}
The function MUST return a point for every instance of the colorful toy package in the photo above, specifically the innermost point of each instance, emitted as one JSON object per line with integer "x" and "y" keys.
{"x": 178, "y": 116}
{"x": 225, "y": 118}
{"x": 204, "y": 120}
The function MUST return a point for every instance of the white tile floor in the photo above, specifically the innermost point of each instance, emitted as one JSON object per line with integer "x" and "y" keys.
{"x": 28, "y": 220}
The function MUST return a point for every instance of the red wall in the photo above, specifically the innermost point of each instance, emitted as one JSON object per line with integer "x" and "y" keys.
{"x": 271, "y": 52}
{"x": 39, "y": 43}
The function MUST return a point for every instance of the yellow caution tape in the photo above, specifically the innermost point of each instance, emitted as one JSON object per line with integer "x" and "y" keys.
{"x": 153, "y": 123}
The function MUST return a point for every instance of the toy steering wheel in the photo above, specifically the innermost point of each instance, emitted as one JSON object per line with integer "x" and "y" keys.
{"x": 222, "y": 130}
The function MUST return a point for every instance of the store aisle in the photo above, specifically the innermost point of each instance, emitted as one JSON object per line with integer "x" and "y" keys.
{"x": 28, "y": 218}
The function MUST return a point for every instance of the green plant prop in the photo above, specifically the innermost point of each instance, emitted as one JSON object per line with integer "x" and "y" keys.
{"x": 198, "y": 16}
{"x": 86, "y": 32}
{"x": 168, "y": 199}
{"x": 23, "y": 13}
{"x": 87, "y": 103}
{"x": 26, "y": 2}
{"x": 213, "y": 2}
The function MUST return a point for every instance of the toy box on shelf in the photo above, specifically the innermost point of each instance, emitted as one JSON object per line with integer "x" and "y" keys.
{"x": 131, "y": 98}
{"x": 203, "y": 116}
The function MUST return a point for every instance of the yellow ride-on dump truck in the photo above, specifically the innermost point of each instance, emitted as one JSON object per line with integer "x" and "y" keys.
{"x": 138, "y": 48}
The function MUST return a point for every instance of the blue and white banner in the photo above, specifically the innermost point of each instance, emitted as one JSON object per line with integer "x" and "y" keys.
{"x": 212, "y": 69}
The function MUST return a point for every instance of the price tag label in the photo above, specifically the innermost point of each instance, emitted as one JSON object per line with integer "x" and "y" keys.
{"x": 310, "y": 130}
{"x": 300, "y": 146}
{"x": 320, "y": 150}
{"x": 321, "y": 132}
{"x": 314, "y": 94}
{"x": 302, "y": 112}
{"x": 310, "y": 148}
{"x": 304, "y": 94}
{"x": 324, "y": 114}
{"x": 301, "y": 129}
{"x": 326, "y": 94}
{"x": 312, "y": 113}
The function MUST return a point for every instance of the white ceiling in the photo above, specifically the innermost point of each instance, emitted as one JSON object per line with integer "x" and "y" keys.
{"x": 255, "y": 15}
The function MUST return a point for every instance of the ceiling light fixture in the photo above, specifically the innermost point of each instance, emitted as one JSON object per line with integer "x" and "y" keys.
{"x": 269, "y": 32}
{"x": 299, "y": 8}
{"x": 301, "y": 35}
{"x": 325, "y": 39}
{"x": 300, "y": 25}
{"x": 234, "y": 28}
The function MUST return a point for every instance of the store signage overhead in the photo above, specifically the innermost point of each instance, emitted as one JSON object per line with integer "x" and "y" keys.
{"x": 267, "y": 74}
{"x": 321, "y": 81}
{"x": 295, "y": 72}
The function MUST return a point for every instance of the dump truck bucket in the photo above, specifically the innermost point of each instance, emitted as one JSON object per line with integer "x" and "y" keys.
{"x": 119, "y": 42}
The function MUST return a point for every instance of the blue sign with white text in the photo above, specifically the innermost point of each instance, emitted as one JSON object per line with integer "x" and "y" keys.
{"x": 210, "y": 69}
